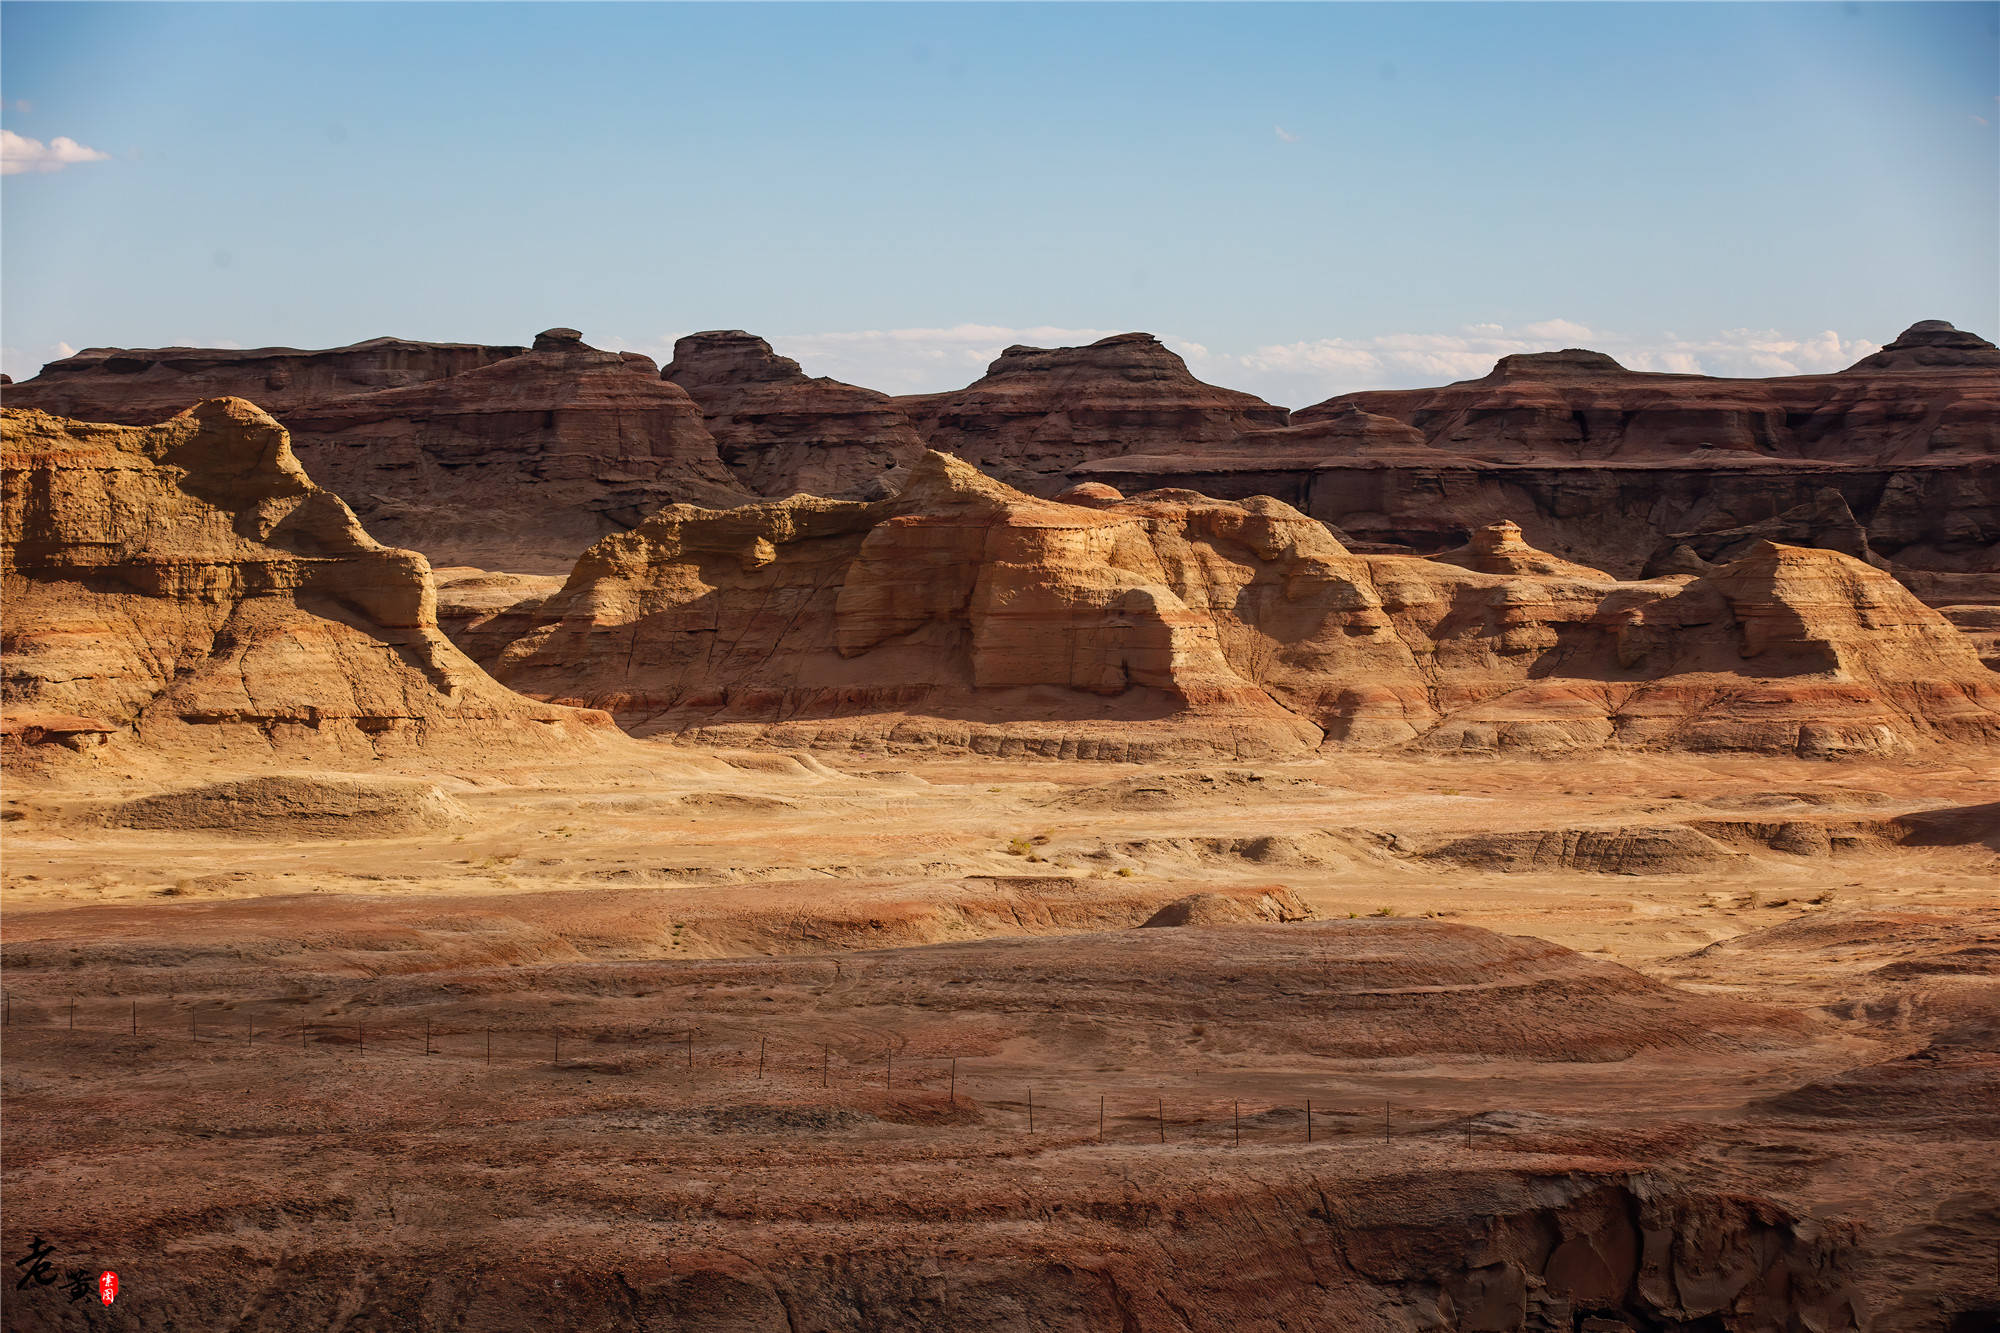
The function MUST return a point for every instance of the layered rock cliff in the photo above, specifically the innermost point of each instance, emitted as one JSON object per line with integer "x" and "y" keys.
{"x": 1039, "y": 412}
{"x": 138, "y": 386}
{"x": 1895, "y": 460}
{"x": 783, "y": 432}
{"x": 958, "y": 611}
{"x": 504, "y": 457}
{"x": 520, "y": 464}
{"x": 189, "y": 584}
{"x": 963, "y": 612}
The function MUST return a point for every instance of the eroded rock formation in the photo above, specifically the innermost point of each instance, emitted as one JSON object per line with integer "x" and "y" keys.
{"x": 189, "y": 583}
{"x": 782, "y": 431}
{"x": 1896, "y": 459}
{"x": 504, "y": 457}
{"x": 520, "y": 464}
{"x": 964, "y": 612}
{"x": 138, "y": 386}
{"x": 960, "y": 609}
{"x": 1039, "y": 411}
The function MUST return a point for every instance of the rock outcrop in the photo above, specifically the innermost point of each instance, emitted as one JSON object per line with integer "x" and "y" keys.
{"x": 188, "y": 585}
{"x": 963, "y": 612}
{"x": 137, "y": 386}
{"x": 1895, "y": 460}
{"x": 960, "y": 611}
{"x": 1039, "y": 412}
{"x": 783, "y": 432}
{"x": 503, "y": 457}
{"x": 1498, "y": 548}
{"x": 520, "y": 464}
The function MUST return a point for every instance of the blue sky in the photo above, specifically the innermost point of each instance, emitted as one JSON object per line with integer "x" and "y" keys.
{"x": 1304, "y": 198}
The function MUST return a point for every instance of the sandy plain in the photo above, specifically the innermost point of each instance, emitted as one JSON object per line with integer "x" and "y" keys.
{"x": 1660, "y": 1042}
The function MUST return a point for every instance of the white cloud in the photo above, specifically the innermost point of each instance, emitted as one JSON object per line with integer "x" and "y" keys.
{"x": 928, "y": 360}
{"x": 23, "y": 105}
{"x": 18, "y": 153}
{"x": 1285, "y": 135}
{"x": 24, "y": 363}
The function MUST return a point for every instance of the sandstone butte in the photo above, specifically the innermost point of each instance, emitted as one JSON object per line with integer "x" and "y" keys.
{"x": 964, "y": 612}
{"x": 782, "y": 431}
{"x": 187, "y": 587}
{"x": 1039, "y": 412}
{"x": 1895, "y": 460}
{"x": 501, "y": 457}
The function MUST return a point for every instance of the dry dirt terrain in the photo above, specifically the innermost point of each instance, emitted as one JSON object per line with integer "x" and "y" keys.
{"x": 754, "y": 1040}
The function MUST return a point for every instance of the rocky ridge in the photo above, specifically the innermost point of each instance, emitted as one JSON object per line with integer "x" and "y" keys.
{"x": 783, "y": 432}
{"x": 1038, "y": 412}
{"x": 510, "y": 457}
{"x": 1173, "y": 624}
{"x": 188, "y": 584}
{"x": 1896, "y": 459}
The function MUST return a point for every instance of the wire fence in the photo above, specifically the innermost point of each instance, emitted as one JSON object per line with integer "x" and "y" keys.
{"x": 710, "y": 1055}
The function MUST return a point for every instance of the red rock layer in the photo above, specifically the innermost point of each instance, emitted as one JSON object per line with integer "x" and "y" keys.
{"x": 1039, "y": 412}
{"x": 517, "y": 465}
{"x": 963, "y": 612}
{"x": 782, "y": 432}
{"x": 497, "y": 456}
{"x": 1935, "y": 390}
{"x": 188, "y": 584}
{"x": 959, "y": 612}
{"x": 1895, "y": 460}
{"x": 138, "y": 386}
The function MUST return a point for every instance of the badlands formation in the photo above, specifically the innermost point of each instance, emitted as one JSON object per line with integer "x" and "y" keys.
{"x": 507, "y": 837}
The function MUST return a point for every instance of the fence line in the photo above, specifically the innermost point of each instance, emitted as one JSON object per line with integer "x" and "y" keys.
{"x": 654, "y": 1048}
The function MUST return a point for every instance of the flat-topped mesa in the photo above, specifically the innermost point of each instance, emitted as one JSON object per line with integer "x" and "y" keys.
{"x": 781, "y": 431}
{"x": 1932, "y": 344}
{"x": 1039, "y": 412}
{"x": 434, "y": 444}
{"x": 139, "y": 386}
{"x": 520, "y": 464}
{"x": 1577, "y": 404}
{"x": 188, "y": 586}
{"x": 1569, "y": 363}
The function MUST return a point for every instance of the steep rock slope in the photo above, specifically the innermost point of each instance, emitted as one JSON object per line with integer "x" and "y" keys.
{"x": 141, "y": 385}
{"x": 1039, "y": 411}
{"x": 493, "y": 456}
{"x": 1896, "y": 459}
{"x": 960, "y": 611}
{"x": 520, "y": 464}
{"x": 188, "y": 584}
{"x": 783, "y": 432}
{"x": 1933, "y": 390}
{"x": 964, "y": 612}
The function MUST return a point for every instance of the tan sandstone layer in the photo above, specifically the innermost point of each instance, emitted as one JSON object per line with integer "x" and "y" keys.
{"x": 963, "y": 612}
{"x": 187, "y": 586}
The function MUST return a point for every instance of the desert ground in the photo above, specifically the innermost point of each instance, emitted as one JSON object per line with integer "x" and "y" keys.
{"x": 749, "y": 1040}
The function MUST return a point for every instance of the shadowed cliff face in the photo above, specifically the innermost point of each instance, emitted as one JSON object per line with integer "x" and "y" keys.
{"x": 1175, "y": 624}
{"x": 503, "y": 456}
{"x": 519, "y": 464}
{"x": 1039, "y": 412}
{"x": 1892, "y": 460}
{"x": 782, "y": 432}
{"x": 139, "y": 386}
{"x": 188, "y": 582}
{"x": 1895, "y": 460}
